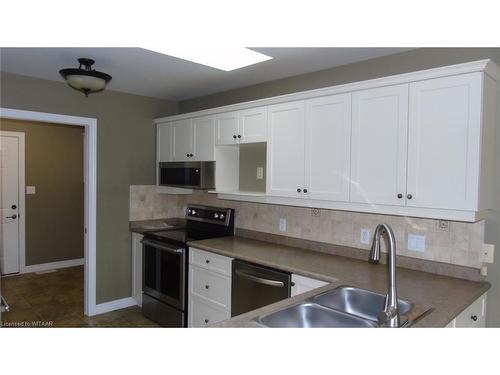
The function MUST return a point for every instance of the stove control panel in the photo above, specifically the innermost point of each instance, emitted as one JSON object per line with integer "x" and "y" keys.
{"x": 208, "y": 214}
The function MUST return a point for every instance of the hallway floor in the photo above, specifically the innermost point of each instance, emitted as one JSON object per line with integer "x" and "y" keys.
{"x": 56, "y": 300}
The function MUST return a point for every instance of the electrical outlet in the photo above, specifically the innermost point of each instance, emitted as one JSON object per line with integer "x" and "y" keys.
{"x": 365, "y": 236}
{"x": 282, "y": 224}
{"x": 416, "y": 243}
{"x": 30, "y": 189}
{"x": 260, "y": 173}
{"x": 315, "y": 212}
{"x": 443, "y": 225}
{"x": 489, "y": 251}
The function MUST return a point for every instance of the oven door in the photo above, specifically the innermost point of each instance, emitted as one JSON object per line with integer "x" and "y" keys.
{"x": 163, "y": 274}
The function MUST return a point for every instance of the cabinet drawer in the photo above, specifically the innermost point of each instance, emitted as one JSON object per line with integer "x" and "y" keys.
{"x": 212, "y": 286}
{"x": 203, "y": 313}
{"x": 210, "y": 261}
{"x": 474, "y": 315}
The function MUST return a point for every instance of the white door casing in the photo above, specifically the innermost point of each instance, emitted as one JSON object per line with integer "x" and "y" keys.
{"x": 285, "y": 150}
{"x": 379, "y": 145}
{"x": 12, "y": 200}
{"x": 327, "y": 147}
{"x": 444, "y": 142}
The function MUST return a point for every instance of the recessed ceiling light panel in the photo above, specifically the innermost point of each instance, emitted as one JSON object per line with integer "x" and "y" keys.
{"x": 220, "y": 58}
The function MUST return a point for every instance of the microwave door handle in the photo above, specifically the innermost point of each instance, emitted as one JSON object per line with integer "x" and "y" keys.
{"x": 260, "y": 280}
{"x": 162, "y": 247}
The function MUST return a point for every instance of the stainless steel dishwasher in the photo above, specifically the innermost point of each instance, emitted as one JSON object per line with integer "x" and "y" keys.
{"x": 254, "y": 286}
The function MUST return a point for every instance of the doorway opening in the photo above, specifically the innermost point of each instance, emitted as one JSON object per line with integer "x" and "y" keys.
{"x": 80, "y": 266}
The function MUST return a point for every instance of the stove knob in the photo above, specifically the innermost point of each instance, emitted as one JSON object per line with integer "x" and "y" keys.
{"x": 189, "y": 212}
{"x": 221, "y": 216}
{"x": 193, "y": 212}
{"x": 216, "y": 215}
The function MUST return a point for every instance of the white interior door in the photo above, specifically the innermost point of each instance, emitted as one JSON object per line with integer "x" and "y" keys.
{"x": 226, "y": 128}
{"x": 285, "y": 150}
{"x": 9, "y": 167}
{"x": 379, "y": 145}
{"x": 182, "y": 140}
{"x": 328, "y": 141}
{"x": 444, "y": 142}
{"x": 203, "y": 139}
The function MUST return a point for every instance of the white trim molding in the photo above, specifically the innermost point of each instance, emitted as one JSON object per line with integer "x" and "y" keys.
{"x": 21, "y": 196}
{"x": 54, "y": 265}
{"x": 115, "y": 305}
{"x": 487, "y": 66}
{"x": 90, "y": 177}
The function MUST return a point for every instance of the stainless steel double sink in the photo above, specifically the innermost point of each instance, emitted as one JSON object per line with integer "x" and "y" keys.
{"x": 342, "y": 307}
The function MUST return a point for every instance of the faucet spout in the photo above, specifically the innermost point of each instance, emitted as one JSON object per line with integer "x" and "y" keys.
{"x": 390, "y": 314}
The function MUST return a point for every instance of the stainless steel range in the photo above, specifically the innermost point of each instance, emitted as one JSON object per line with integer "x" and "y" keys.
{"x": 165, "y": 262}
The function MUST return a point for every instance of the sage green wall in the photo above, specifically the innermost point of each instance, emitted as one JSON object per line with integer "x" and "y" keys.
{"x": 125, "y": 156}
{"x": 252, "y": 156}
{"x": 423, "y": 58}
{"x": 54, "y": 165}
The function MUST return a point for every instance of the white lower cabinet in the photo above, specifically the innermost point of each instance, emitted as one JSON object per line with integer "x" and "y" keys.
{"x": 473, "y": 316}
{"x": 302, "y": 284}
{"x": 209, "y": 297}
{"x": 137, "y": 267}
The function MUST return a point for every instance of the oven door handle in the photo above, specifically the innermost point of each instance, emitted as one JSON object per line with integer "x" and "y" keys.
{"x": 259, "y": 280}
{"x": 162, "y": 246}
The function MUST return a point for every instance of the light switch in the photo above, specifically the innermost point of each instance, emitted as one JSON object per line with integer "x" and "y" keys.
{"x": 30, "y": 189}
{"x": 365, "y": 236}
{"x": 282, "y": 224}
{"x": 416, "y": 242}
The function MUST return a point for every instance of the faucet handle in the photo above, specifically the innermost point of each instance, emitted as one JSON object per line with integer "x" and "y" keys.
{"x": 387, "y": 314}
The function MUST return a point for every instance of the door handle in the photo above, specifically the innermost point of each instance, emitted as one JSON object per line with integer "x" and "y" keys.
{"x": 4, "y": 306}
{"x": 12, "y": 217}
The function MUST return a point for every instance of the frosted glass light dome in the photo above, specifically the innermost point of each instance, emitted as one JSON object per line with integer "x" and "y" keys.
{"x": 85, "y": 80}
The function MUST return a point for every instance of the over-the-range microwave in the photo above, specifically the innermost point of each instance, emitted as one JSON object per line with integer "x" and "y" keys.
{"x": 189, "y": 174}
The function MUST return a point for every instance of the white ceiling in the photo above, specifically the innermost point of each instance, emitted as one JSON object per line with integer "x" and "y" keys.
{"x": 142, "y": 72}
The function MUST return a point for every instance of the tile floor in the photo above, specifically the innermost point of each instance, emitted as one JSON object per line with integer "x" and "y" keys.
{"x": 56, "y": 299}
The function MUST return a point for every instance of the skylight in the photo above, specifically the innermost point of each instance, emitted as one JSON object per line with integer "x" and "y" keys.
{"x": 227, "y": 59}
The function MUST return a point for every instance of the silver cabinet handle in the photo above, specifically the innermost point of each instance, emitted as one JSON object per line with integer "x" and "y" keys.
{"x": 260, "y": 280}
{"x": 4, "y": 306}
{"x": 11, "y": 217}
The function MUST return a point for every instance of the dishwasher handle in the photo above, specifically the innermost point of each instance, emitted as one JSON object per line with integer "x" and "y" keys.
{"x": 260, "y": 280}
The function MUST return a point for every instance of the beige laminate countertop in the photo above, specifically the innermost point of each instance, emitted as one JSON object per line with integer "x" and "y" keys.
{"x": 448, "y": 296}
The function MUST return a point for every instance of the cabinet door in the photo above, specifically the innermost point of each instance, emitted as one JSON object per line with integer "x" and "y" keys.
{"x": 302, "y": 284}
{"x": 203, "y": 138}
{"x": 285, "y": 150}
{"x": 444, "y": 142}
{"x": 327, "y": 150}
{"x": 164, "y": 142}
{"x": 182, "y": 140}
{"x": 226, "y": 128}
{"x": 253, "y": 125}
{"x": 379, "y": 145}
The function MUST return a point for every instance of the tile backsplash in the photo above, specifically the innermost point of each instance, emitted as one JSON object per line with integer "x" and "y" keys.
{"x": 460, "y": 243}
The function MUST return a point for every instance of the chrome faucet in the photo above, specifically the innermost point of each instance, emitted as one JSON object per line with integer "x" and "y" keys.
{"x": 390, "y": 314}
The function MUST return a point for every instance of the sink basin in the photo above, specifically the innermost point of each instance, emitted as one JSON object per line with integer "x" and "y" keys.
{"x": 311, "y": 315}
{"x": 359, "y": 302}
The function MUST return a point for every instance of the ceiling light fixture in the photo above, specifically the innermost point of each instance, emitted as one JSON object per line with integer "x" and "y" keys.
{"x": 226, "y": 59}
{"x": 85, "y": 80}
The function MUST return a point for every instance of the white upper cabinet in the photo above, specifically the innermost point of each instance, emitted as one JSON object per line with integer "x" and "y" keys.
{"x": 327, "y": 147}
{"x": 379, "y": 145}
{"x": 182, "y": 140}
{"x": 245, "y": 126}
{"x": 252, "y": 125}
{"x": 444, "y": 142}
{"x": 226, "y": 128}
{"x": 203, "y": 139}
{"x": 164, "y": 142}
{"x": 285, "y": 150}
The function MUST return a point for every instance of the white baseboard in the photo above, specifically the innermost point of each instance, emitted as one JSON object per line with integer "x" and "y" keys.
{"x": 117, "y": 304}
{"x": 53, "y": 265}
